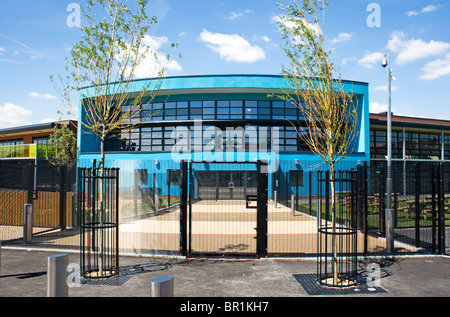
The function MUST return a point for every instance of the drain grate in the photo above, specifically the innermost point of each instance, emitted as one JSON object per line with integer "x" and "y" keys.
{"x": 125, "y": 274}
{"x": 311, "y": 287}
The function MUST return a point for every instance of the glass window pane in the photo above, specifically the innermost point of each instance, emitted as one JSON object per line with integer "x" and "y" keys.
{"x": 251, "y": 103}
{"x": 236, "y": 103}
{"x": 289, "y": 105}
{"x": 263, "y": 104}
{"x": 196, "y": 104}
{"x": 223, "y": 104}
{"x": 182, "y": 112}
{"x": 278, "y": 104}
{"x": 209, "y": 111}
{"x": 209, "y": 104}
{"x": 196, "y": 111}
{"x": 236, "y": 110}
{"x": 264, "y": 111}
{"x": 223, "y": 110}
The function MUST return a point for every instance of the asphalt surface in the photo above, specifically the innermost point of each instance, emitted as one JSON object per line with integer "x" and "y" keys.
{"x": 24, "y": 274}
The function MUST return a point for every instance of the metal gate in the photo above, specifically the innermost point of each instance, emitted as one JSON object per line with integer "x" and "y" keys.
{"x": 225, "y": 209}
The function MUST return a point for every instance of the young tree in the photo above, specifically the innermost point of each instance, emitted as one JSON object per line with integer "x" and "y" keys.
{"x": 102, "y": 69}
{"x": 313, "y": 84}
{"x": 64, "y": 146}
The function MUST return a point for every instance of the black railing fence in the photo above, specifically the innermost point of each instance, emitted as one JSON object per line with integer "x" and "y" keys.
{"x": 420, "y": 203}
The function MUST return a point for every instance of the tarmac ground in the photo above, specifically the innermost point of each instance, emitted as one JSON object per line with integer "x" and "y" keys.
{"x": 24, "y": 274}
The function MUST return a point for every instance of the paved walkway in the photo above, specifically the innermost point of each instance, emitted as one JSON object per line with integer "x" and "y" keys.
{"x": 23, "y": 274}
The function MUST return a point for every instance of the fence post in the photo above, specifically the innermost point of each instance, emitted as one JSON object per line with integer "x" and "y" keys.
{"x": 183, "y": 207}
{"x": 433, "y": 207}
{"x": 27, "y": 223}
{"x": 382, "y": 205}
{"x": 261, "y": 218}
{"x": 57, "y": 275}
{"x": 293, "y": 205}
{"x": 310, "y": 193}
{"x": 441, "y": 210}
{"x": 417, "y": 213}
{"x": 62, "y": 197}
{"x": 365, "y": 214}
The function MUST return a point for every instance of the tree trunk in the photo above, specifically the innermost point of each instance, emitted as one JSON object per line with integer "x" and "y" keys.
{"x": 102, "y": 211}
{"x": 333, "y": 225}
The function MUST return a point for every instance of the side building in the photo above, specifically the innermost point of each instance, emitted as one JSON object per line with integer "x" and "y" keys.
{"x": 417, "y": 145}
{"x": 28, "y": 177}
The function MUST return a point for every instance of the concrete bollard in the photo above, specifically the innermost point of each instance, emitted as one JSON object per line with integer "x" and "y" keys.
{"x": 275, "y": 199}
{"x": 57, "y": 275}
{"x": 162, "y": 287}
{"x": 27, "y": 223}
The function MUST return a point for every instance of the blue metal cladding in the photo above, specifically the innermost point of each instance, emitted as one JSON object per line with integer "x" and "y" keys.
{"x": 243, "y": 87}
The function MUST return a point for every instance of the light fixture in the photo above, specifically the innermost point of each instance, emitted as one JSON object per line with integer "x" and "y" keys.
{"x": 384, "y": 63}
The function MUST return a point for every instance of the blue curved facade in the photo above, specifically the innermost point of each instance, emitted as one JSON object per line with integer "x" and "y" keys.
{"x": 219, "y": 118}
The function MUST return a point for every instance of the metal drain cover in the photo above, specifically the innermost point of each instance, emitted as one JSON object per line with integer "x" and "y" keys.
{"x": 309, "y": 284}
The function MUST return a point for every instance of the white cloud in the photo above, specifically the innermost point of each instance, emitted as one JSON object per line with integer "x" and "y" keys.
{"x": 48, "y": 120}
{"x": 429, "y": 8}
{"x": 383, "y": 88}
{"x": 370, "y": 60}
{"x": 154, "y": 60}
{"x": 234, "y": 15}
{"x": 12, "y": 115}
{"x": 283, "y": 19}
{"x": 1, "y": 49}
{"x": 375, "y": 107}
{"x": 342, "y": 37}
{"x": 44, "y": 96}
{"x": 412, "y": 13}
{"x": 410, "y": 50}
{"x": 232, "y": 47}
{"x": 266, "y": 38}
{"x": 437, "y": 68}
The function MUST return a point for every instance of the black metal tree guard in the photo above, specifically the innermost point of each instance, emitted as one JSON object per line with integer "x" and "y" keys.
{"x": 337, "y": 243}
{"x": 98, "y": 201}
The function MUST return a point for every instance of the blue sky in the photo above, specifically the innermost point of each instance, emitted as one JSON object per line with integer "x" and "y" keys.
{"x": 239, "y": 37}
